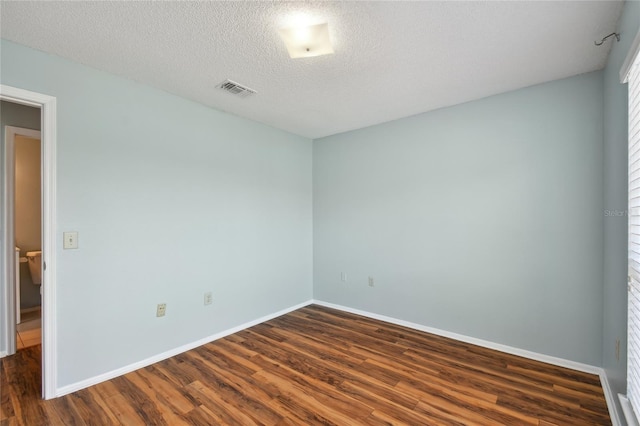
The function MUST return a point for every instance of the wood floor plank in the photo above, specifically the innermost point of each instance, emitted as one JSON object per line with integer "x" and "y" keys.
{"x": 382, "y": 402}
{"x": 99, "y": 399}
{"x": 219, "y": 409}
{"x": 90, "y": 407}
{"x": 451, "y": 366}
{"x": 144, "y": 403}
{"x": 241, "y": 390}
{"x": 124, "y": 411}
{"x": 442, "y": 413}
{"x": 315, "y": 406}
{"x": 65, "y": 409}
{"x": 161, "y": 402}
{"x": 6, "y": 404}
{"x": 407, "y": 375}
{"x": 380, "y": 418}
{"x": 200, "y": 416}
{"x": 324, "y": 393}
{"x": 317, "y": 366}
{"x": 173, "y": 396}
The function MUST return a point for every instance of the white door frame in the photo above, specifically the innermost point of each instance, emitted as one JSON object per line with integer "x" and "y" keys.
{"x": 10, "y": 133}
{"x": 47, "y": 105}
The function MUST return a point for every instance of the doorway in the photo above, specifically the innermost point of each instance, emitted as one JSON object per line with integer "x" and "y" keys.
{"x": 10, "y": 262}
{"x": 25, "y": 144}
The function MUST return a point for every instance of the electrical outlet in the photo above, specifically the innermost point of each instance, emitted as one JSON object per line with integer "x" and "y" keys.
{"x": 162, "y": 309}
{"x": 617, "y": 349}
{"x": 208, "y": 298}
{"x": 371, "y": 282}
{"x": 343, "y": 276}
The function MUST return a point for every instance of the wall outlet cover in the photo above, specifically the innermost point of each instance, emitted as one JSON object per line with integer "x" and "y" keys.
{"x": 161, "y": 310}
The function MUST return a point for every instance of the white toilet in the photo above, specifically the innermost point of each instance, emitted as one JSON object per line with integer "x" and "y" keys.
{"x": 35, "y": 266}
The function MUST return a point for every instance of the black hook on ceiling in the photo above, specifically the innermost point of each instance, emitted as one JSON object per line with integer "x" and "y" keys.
{"x": 605, "y": 38}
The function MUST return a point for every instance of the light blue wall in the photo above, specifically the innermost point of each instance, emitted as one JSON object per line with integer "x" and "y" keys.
{"x": 615, "y": 199}
{"x": 483, "y": 219}
{"x": 171, "y": 199}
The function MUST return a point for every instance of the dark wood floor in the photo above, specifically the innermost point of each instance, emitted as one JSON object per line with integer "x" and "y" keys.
{"x": 317, "y": 366}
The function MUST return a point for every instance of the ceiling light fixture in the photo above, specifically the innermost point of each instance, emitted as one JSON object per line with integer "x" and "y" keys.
{"x": 306, "y": 42}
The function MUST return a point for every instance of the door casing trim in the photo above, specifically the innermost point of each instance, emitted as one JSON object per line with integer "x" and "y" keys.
{"x": 47, "y": 105}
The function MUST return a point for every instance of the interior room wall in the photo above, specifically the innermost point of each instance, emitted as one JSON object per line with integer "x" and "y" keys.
{"x": 483, "y": 219}
{"x": 171, "y": 199}
{"x": 615, "y": 203}
{"x": 28, "y": 209}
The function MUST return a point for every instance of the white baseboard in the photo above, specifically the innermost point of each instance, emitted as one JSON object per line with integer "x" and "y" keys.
{"x": 561, "y": 362}
{"x": 173, "y": 352}
{"x": 610, "y": 397}
{"x": 28, "y": 310}
{"x": 627, "y": 410}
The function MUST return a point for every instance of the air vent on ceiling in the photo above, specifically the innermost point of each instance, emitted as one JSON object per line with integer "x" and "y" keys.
{"x": 236, "y": 89}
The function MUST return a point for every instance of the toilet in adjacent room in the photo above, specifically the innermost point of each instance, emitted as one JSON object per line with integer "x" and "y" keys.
{"x": 35, "y": 266}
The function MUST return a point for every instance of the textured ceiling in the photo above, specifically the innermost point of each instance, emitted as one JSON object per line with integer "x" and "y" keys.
{"x": 392, "y": 59}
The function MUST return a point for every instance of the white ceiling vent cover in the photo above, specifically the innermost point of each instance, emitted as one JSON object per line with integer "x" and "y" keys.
{"x": 236, "y": 89}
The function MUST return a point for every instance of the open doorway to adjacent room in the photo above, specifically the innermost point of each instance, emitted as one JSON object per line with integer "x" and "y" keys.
{"x": 27, "y": 213}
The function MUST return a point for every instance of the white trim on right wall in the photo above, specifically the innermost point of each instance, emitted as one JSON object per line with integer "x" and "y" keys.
{"x": 628, "y": 61}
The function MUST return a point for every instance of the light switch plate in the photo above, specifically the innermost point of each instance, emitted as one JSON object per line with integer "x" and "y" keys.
{"x": 70, "y": 240}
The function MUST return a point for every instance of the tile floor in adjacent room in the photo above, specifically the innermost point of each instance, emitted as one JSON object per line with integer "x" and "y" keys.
{"x": 29, "y": 331}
